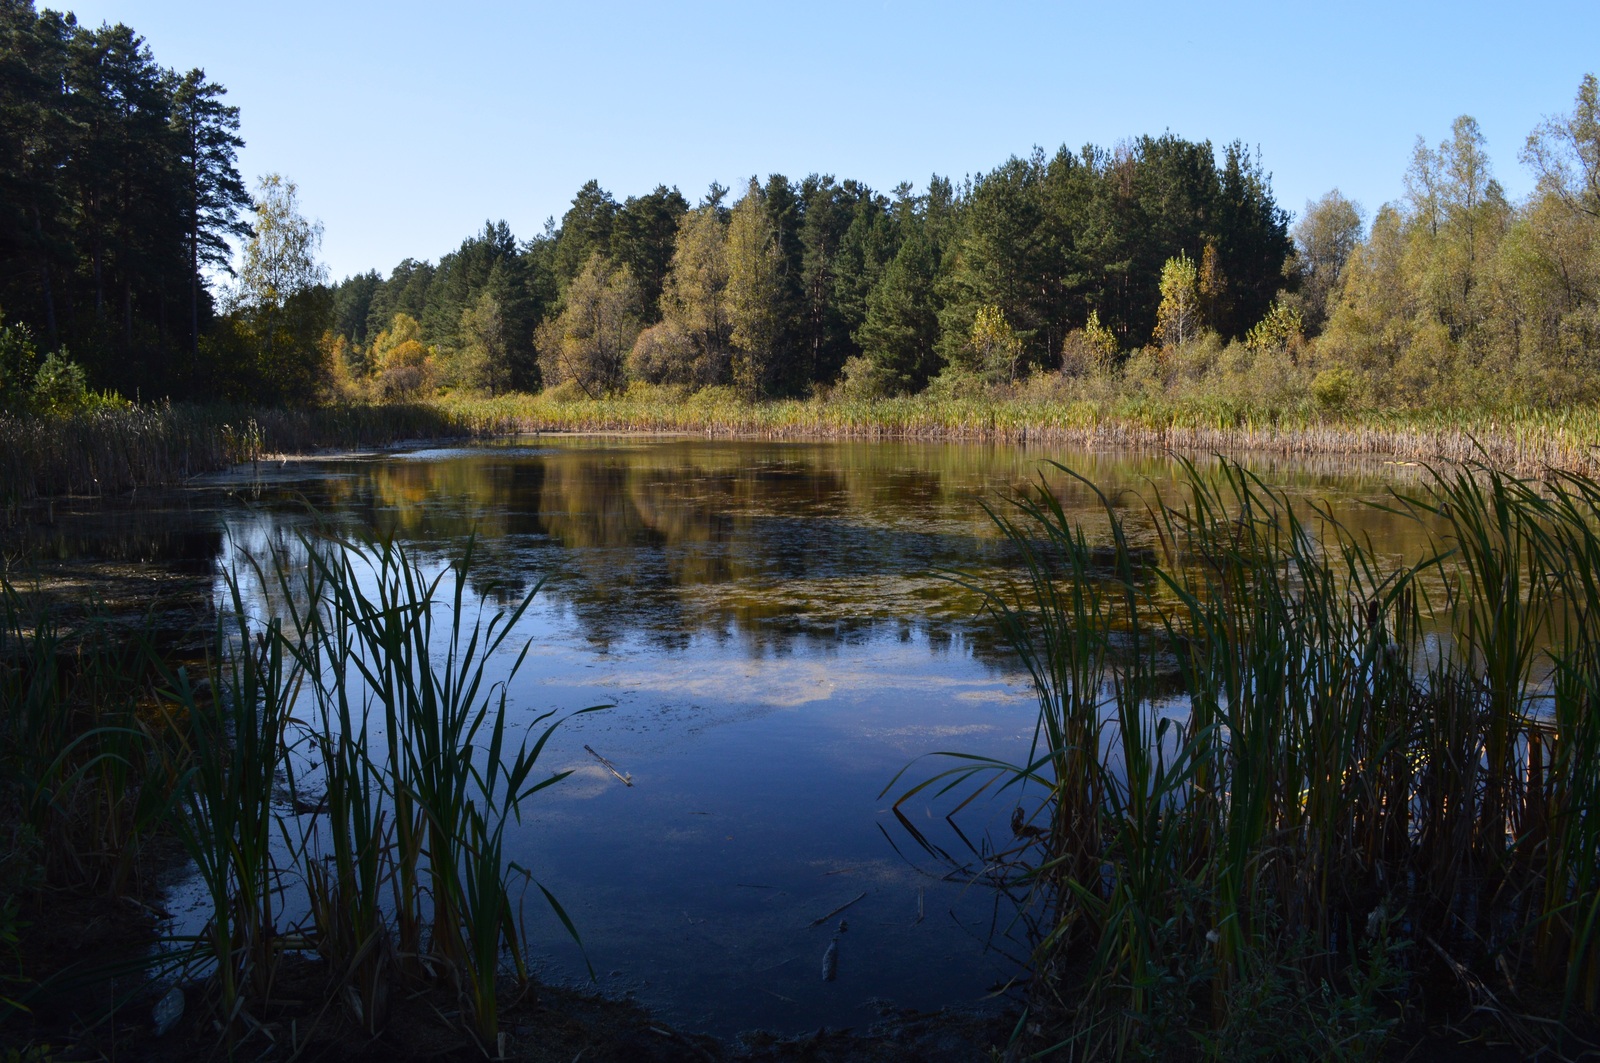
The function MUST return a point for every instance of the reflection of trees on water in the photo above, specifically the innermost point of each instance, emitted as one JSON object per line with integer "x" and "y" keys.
{"x": 170, "y": 533}
{"x": 673, "y": 543}
{"x": 770, "y": 544}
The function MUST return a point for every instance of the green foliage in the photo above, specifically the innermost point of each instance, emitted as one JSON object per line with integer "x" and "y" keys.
{"x": 755, "y": 281}
{"x": 1282, "y": 330}
{"x": 18, "y": 366}
{"x": 1334, "y": 389}
{"x": 777, "y": 293}
{"x": 1458, "y": 297}
{"x": 691, "y": 345}
{"x": 994, "y": 350}
{"x": 1268, "y": 870}
{"x": 60, "y": 387}
{"x": 1089, "y": 351}
{"x": 1325, "y": 237}
{"x": 406, "y": 871}
{"x": 55, "y": 387}
{"x": 900, "y": 331}
{"x": 120, "y": 190}
{"x": 589, "y": 342}
{"x": 1178, "y": 316}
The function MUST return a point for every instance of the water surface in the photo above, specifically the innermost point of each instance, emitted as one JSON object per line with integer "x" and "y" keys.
{"x": 775, "y": 630}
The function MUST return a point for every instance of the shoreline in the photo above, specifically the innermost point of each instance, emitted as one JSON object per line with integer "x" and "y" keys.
{"x": 161, "y": 446}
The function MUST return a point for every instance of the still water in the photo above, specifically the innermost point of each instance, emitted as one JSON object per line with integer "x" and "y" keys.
{"x": 772, "y": 626}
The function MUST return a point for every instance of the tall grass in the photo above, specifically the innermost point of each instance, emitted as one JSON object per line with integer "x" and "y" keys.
{"x": 1378, "y": 767}
{"x": 81, "y": 768}
{"x": 86, "y": 779}
{"x": 398, "y": 845}
{"x": 1516, "y": 439}
{"x": 229, "y": 823}
{"x": 113, "y": 450}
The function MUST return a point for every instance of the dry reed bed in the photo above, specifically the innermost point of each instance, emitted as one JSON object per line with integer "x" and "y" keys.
{"x": 1523, "y": 442}
{"x": 113, "y": 451}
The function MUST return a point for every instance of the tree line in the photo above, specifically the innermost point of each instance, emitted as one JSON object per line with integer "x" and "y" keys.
{"x": 796, "y": 285}
{"x": 118, "y": 194}
{"x": 1455, "y": 296}
{"x": 1158, "y": 267}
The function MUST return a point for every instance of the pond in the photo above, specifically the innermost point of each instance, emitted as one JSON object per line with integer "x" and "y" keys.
{"x": 775, "y": 631}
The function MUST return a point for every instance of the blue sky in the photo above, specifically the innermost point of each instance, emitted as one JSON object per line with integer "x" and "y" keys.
{"x": 406, "y": 125}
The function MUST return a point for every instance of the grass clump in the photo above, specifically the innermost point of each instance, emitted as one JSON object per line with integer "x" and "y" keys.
{"x": 341, "y": 771}
{"x": 395, "y": 845}
{"x": 1380, "y": 774}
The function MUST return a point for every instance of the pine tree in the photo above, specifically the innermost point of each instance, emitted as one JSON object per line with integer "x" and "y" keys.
{"x": 208, "y": 136}
{"x": 900, "y": 333}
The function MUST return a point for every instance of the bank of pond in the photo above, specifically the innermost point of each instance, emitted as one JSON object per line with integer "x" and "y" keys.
{"x": 120, "y": 447}
{"x": 1272, "y": 786}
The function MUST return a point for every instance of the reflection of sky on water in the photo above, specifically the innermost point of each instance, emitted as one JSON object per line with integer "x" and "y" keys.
{"x": 770, "y": 623}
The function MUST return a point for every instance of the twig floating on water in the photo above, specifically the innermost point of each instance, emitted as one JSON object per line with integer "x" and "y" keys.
{"x": 626, "y": 780}
{"x": 824, "y": 918}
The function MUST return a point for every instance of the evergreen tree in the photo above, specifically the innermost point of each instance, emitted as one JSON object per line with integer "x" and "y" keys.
{"x": 900, "y": 332}
{"x": 642, "y": 237}
{"x": 207, "y": 131}
{"x": 353, "y": 299}
{"x": 585, "y": 230}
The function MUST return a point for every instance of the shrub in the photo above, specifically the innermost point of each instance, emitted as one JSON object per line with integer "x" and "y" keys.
{"x": 60, "y": 387}
{"x": 1334, "y": 388}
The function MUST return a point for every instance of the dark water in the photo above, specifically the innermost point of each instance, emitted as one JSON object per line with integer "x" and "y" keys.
{"x": 770, "y": 623}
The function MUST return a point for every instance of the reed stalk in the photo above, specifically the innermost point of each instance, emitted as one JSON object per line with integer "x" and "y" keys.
{"x": 1377, "y": 763}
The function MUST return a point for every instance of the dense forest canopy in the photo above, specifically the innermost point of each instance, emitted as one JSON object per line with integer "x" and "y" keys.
{"x": 776, "y": 291}
{"x": 118, "y": 192}
{"x": 130, "y": 247}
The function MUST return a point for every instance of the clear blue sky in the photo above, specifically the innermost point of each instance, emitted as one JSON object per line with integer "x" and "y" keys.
{"x": 406, "y": 125}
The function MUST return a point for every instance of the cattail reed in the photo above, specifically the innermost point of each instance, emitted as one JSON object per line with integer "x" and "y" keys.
{"x": 1379, "y": 768}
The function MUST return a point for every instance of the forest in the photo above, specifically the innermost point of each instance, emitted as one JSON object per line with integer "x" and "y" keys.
{"x": 136, "y": 263}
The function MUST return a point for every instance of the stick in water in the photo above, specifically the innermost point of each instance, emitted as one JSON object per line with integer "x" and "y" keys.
{"x": 626, "y": 780}
{"x": 819, "y": 920}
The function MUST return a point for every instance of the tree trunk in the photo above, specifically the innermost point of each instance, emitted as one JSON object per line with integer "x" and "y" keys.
{"x": 44, "y": 281}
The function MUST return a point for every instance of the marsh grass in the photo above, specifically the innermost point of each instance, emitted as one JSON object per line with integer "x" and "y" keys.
{"x": 82, "y": 770}
{"x": 1379, "y": 769}
{"x": 397, "y": 846}
{"x": 342, "y": 769}
{"x": 116, "y": 449}
{"x": 1519, "y": 439}
{"x": 86, "y": 780}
